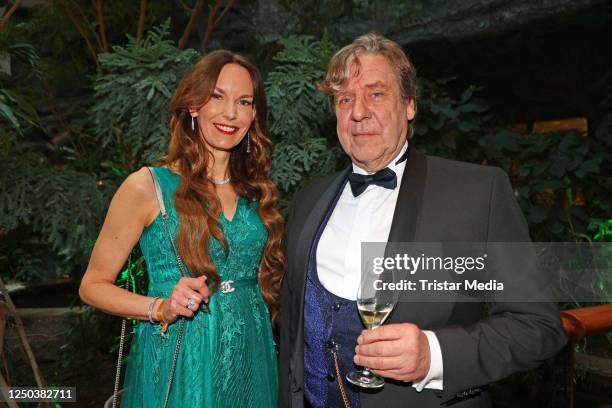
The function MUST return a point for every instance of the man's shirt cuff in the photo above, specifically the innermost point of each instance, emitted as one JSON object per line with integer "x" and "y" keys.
{"x": 433, "y": 379}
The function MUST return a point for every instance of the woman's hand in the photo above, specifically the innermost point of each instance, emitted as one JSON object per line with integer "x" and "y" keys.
{"x": 186, "y": 288}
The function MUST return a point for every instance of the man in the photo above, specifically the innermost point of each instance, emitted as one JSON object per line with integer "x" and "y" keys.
{"x": 429, "y": 353}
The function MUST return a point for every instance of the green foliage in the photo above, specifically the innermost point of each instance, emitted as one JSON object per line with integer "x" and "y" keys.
{"x": 26, "y": 54}
{"x": 557, "y": 177}
{"x": 36, "y": 196}
{"x": 298, "y": 111}
{"x": 17, "y": 113}
{"x": 447, "y": 126}
{"x": 133, "y": 89}
{"x": 57, "y": 197}
{"x": 560, "y": 185}
{"x": 64, "y": 55}
{"x": 49, "y": 29}
{"x": 602, "y": 229}
{"x": 135, "y": 272}
{"x": 63, "y": 207}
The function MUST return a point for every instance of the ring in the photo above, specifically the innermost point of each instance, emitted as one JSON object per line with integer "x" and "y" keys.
{"x": 190, "y": 302}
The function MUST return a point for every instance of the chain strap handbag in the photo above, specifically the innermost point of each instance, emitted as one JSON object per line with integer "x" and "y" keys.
{"x": 164, "y": 214}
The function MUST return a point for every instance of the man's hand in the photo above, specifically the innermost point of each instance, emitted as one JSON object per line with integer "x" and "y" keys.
{"x": 397, "y": 351}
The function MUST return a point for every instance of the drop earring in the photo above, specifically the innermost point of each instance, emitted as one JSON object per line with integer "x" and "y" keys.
{"x": 248, "y": 142}
{"x": 192, "y": 123}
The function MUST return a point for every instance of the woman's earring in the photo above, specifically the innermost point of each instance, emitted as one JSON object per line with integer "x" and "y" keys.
{"x": 192, "y": 123}
{"x": 248, "y": 142}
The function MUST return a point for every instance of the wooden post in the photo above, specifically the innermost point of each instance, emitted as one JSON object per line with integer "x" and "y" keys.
{"x": 579, "y": 323}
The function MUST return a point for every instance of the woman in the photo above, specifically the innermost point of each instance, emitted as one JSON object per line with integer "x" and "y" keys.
{"x": 220, "y": 204}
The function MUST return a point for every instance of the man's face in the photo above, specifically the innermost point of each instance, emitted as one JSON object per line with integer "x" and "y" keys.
{"x": 372, "y": 118}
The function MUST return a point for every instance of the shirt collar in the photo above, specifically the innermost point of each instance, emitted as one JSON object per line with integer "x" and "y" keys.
{"x": 393, "y": 165}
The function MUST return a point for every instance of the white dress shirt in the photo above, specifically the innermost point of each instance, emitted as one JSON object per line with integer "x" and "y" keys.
{"x": 365, "y": 218}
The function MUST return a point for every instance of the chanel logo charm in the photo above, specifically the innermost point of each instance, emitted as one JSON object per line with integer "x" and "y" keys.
{"x": 226, "y": 286}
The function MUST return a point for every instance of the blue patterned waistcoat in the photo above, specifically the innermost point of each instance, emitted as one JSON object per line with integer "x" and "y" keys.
{"x": 330, "y": 322}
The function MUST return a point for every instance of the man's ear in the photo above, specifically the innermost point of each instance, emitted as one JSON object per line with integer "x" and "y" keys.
{"x": 411, "y": 109}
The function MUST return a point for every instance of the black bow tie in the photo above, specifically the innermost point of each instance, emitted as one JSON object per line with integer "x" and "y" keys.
{"x": 385, "y": 178}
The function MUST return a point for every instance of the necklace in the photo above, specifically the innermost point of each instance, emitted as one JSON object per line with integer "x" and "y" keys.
{"x": 221, "y": 182}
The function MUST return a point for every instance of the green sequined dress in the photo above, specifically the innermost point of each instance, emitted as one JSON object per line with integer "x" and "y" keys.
{"x": 227, "y": 357}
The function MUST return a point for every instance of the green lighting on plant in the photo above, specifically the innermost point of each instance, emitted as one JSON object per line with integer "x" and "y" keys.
{"x": 602, "y": 228}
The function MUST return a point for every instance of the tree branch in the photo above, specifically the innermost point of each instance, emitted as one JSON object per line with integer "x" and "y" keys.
{"x": 7, "y": 16}
{"x": 81, "y": 31}
{"x": 2, "y": 327}
{"x": 213, "y": 21}
{"x": 197, "y": 9}
{"x": 5, "y": 367}
{"x": 22, "y": 335}
{"x": 86, "y": 21}
{"x": 2, "y": 331}
{"x": 11, "y": 402}
{"x": 210, "y": 25}
{"x": 224, "y": 12}
{"x": 186, "y": 7}
{"x": 101, "y": 25}
{"x": 141, "y": 20}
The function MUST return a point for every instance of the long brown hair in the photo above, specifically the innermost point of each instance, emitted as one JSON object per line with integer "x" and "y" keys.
{"x": 195, "y": 199}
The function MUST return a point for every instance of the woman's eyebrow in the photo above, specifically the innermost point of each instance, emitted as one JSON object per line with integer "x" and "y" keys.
{"x": 221, "y": 91}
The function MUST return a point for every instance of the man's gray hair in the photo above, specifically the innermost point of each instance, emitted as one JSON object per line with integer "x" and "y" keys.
{"x": 339, "y": 67}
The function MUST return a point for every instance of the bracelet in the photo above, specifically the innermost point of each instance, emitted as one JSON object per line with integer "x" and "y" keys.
{"x": 150, "y": 311}
{"x": 159, "y": 315}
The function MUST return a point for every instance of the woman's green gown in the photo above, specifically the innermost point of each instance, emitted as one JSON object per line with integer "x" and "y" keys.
{"x": 227, "y": 356}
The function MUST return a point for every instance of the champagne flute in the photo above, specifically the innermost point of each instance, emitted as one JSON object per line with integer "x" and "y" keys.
{"x": 374, "y": 306}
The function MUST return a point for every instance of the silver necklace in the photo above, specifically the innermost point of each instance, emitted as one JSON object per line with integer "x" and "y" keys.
{"x": 221, "y": 182}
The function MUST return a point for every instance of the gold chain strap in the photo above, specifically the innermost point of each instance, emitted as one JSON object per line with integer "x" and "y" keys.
{"x": 340, "y": 383}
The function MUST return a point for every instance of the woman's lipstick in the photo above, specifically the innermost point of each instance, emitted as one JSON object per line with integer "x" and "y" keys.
{"x": 227, "y": 129}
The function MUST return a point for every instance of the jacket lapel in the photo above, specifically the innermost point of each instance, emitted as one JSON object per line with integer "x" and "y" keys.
{"x": 409, "y": 200}
{"x": 405, "y": 228}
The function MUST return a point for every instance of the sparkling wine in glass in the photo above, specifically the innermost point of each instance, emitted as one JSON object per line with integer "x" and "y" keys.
{"x": 374, "y": 306}
{"x": 373, "y": 315}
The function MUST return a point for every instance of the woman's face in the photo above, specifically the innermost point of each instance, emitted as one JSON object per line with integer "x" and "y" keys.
{"x": 225, "y": 119}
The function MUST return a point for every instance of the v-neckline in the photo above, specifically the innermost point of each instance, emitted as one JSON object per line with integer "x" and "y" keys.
{"x": 230, "y": 221}
{"x": 235, "y": 212}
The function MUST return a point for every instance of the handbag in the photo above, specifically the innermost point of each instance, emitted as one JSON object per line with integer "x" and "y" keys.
{"x": 164, "y": 214}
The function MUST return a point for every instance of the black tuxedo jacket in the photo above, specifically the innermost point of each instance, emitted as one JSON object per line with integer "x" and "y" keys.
{"x": 439, "y": 201}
